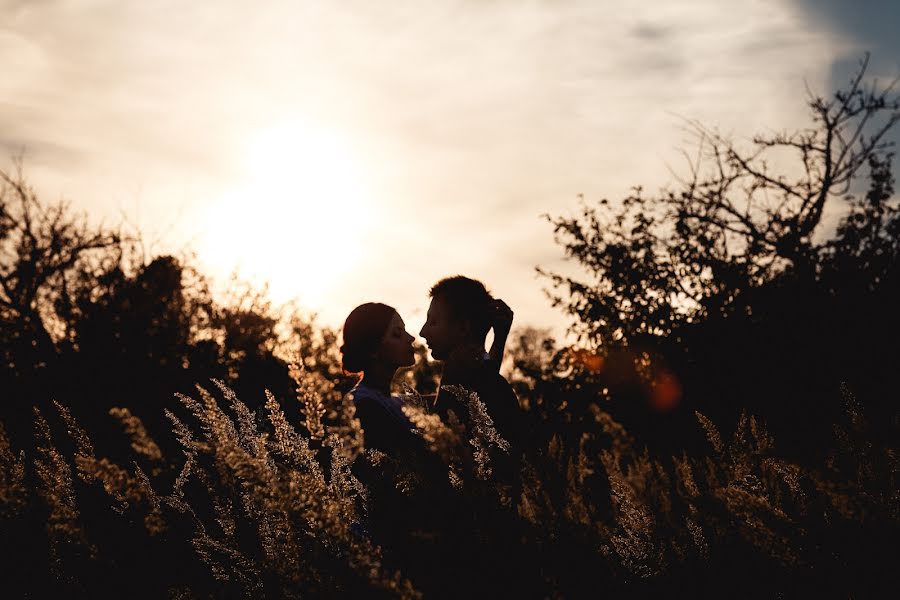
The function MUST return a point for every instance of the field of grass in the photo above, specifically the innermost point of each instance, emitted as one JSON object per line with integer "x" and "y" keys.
{"x": 255, "y": 506}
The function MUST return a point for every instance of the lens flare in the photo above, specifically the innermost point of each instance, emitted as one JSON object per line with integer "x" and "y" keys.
{"x": 666, "y": 392}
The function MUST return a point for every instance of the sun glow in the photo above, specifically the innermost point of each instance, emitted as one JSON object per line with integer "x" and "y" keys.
{"x": 294, "y": 218}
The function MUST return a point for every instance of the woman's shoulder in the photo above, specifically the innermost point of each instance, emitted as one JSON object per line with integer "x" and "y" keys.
{"x": 366, "y": 394}
{"x": 361, "y": 391}
{"x": 368, "y": 400}
{"x": 384, "y": 425}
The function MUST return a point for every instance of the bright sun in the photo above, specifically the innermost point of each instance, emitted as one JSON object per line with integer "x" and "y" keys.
{"x": 296, "y": 215}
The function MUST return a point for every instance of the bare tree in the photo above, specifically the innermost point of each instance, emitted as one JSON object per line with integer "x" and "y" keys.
{"x": 40, "y": 247}
{"x": 740, "y": 218}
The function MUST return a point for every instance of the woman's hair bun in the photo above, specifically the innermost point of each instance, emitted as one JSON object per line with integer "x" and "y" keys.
{"x": 351, "y": 361}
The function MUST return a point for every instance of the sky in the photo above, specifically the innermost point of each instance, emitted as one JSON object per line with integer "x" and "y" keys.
{"x": 356, "y": 151}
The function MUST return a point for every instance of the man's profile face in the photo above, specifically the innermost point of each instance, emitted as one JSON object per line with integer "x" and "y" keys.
{"x": 441, "y": 331}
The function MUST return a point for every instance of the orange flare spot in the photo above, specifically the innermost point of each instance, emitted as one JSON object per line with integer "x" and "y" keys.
{"x": 666, "y": 392}
{"x": 588, "y": 360}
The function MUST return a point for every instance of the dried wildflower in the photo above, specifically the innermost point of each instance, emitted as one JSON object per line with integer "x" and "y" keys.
{"x": 740, "y": 441}
{"x": 483, "y": 468}
{"x": 535, "y": 503}
{"x": 456, "y": 425}
{"x": 312, "y": 407}
{"x": 482, "y": 431}
{"x": 853, "y": 409}
{"x": 660, "y": 486}
{"x": 180, "y": 593}
{"x": 203, "y": 544}
{"x": 343, "y": 484}
{"x": 343, "y": 423}
{"x": 67, "y": 538}
{"x": 239, "y": 567}
{"x": 763, "y": 442}
{"x": 116, "y": 481}
{"x": 576, "y": 509}
{"x": 759, "y": 522}
{"x": 480, "y": 421}
{"x": 712, "y": 433}
{"x": 578, "y": 470}
{"x": 247, "y": 433}
{"x": 688, "y": 487}
{"x": 192, "y": 405}
{"x": 141, "y": 442}
{"x": 555, "y": 448}
{"x": 621, "y": 441}
{"x": 285, "y": 437}
{"x": 406, "y": 481}
{"x": 790, "y": 474}
{"x": 217, "y": 425}
{"x": 288, "y": 443}
{"x": 223, "y": 508}
{"x": 83, "y": 444}
{"x": 154, "y": 521}
{"x": 183, "y": 475}
{"x": 440, "y": 438}
{"x": 633, "y": 537}
{"x": 375, "y": 457}
{"x": 455, "y": 480}
{"x": 13, "y": 492}
{"x": 697, "y": 535}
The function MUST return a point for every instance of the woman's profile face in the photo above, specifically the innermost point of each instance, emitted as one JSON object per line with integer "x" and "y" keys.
{"x": 396, "y": 347}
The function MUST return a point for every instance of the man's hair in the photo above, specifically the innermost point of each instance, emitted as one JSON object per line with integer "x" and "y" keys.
{"x": 466, "y": 299}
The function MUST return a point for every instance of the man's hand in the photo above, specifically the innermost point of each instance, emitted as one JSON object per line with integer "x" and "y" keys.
{"x": 501, "y": 317}
{"x": 501, "y": 320}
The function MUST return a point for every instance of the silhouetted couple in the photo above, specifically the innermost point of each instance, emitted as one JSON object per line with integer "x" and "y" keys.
{"x": 453, "y": 542}
{"x": 461, "y": 314}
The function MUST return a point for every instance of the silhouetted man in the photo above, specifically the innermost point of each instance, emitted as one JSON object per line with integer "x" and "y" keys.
{"x": 461, "y": 313}
{"x": 459, "y": 317}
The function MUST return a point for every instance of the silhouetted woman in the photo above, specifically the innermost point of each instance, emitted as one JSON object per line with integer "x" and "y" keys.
{"x": 377, "y": 344}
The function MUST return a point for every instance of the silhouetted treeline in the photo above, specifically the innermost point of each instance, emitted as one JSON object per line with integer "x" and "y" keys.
{"x": 760, "y": 281}
{"x": 87, "y": 320}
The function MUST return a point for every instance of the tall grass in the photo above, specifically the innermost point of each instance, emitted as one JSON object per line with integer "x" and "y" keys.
{"x": 255, "y": 508}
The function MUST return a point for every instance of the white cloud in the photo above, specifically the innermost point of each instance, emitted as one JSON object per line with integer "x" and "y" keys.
{"x": 469, "y": 118}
